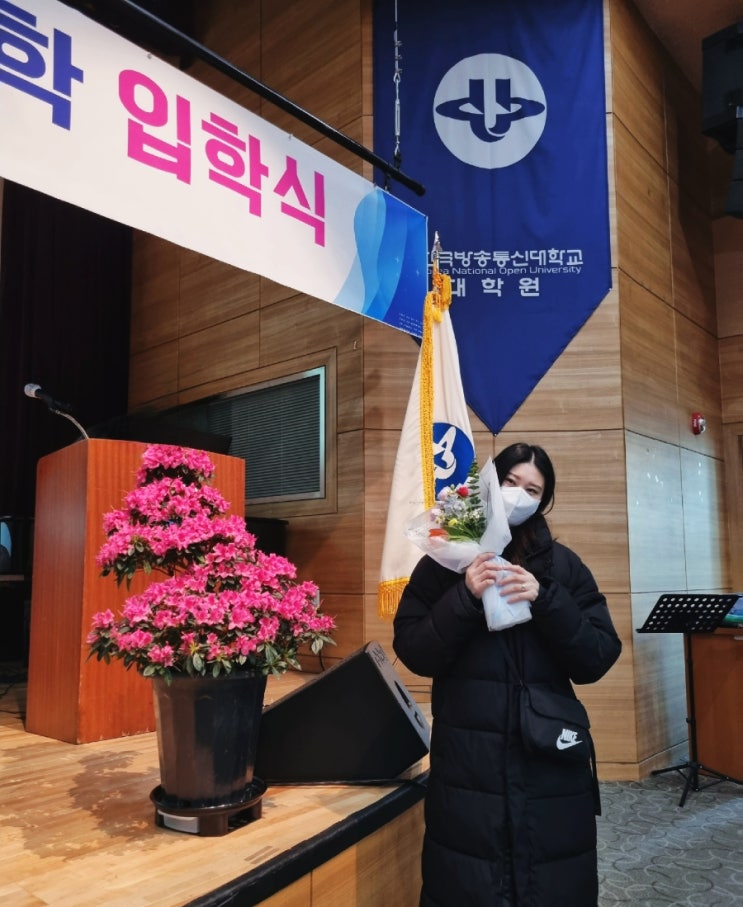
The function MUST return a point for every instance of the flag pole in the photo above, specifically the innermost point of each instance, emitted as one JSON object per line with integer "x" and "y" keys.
{"x": 413, "y": 487}
{"x": 437, "y": 301}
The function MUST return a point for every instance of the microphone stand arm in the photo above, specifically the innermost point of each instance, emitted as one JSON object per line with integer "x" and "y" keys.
{"x": 72, "y": 419}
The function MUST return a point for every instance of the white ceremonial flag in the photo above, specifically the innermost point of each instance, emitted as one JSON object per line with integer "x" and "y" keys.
{"x": 436, "y": 446}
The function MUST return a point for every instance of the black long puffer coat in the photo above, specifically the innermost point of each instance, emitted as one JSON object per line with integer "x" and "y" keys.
{"x": 504, "y": 829}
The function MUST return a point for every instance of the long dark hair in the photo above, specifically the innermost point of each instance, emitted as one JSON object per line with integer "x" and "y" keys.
{"x": 524, "y": 537}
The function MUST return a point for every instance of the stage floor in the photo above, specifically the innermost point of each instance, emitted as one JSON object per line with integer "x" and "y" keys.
{"x": 78, "y": 826}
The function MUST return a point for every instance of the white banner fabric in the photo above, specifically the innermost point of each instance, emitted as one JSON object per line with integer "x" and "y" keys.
{"x": 90, "y": 118}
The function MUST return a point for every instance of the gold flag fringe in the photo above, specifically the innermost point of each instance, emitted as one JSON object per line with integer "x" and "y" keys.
{"x": 437, "y": 301}
{"x": 388, "y": 596}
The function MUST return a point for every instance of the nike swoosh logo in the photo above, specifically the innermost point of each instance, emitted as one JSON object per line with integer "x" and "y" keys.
{"x": 562, "y": 745}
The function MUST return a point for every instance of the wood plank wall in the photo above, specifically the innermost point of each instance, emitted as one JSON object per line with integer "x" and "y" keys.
{"x": 637, "y": 493}
{"x": 728, "y": 240}
{"x": 669, "y": 359}
{"x": 200, "y": 327}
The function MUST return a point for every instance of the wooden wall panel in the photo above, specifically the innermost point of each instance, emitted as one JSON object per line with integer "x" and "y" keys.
{"x": 348, "y": 612}
{"x": 301, "y": 325}
{"x": 380, "y": 450}
{"x": 298, "y": 894}
{"x": 693, "y": 262}
{"x": 643, "y": 232}
{"x": 728, "y": 247}
{"x": 698, "y": 386}
{"x": 590, "y": 512}
{"x": 637, "y": 80}
{"x": 614, "y": 387}
{"x": 731, "y": 374}
{"x": 317, "y": 67}
{"x": 686, "y": 150}
{"x": 648, "y": 363}
{"x": 232, "y": 30}
{"x": 347, "y": 158}
{"x": 155, "y": 278}
{"x": 381, "y": 869}
{"x": 390, "y": 358}
{"x": 329, "y": 546}
{"x": 225, "y": 348}
{"x": 608, "y": 61}
{"x": 350, "y": 389}
{"x": 733, "y": 440}
{"x": 235, "y": 329}
{"x": 582, "y": 390}
{"x": 272, "y": 292}
{"x": 668, "y": 365}
{"x": 153, "y": 375}
{"x": 367, "y": 75}
{"x": 610, "y": 702}
{"x": 612, "y": 183}
{"x": 212, "y": 291}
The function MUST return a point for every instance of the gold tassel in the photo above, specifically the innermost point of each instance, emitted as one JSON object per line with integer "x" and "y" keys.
{"x": 388, "y": 596}
{"x": 437, "y": 301}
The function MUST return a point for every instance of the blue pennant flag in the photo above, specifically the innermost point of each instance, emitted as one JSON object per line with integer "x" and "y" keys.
{"x": 502, "y": 117}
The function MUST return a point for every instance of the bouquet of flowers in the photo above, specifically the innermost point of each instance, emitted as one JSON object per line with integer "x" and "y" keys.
{"x": 223, "y": 606}
{"x": 469, "y": 519}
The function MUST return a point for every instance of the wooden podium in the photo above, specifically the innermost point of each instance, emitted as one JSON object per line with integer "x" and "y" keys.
{"x": 718, "y": 675}
{"x": 71, "y": 698}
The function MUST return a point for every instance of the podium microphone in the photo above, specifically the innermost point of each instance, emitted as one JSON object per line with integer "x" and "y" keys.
{"x": 35, "y": 391}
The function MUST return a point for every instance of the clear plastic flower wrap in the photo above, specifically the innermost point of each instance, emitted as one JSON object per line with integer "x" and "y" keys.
{"x": 469, "y": 519}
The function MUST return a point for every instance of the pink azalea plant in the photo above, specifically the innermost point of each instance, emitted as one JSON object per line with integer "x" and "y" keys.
{"x": 224, "y": 605}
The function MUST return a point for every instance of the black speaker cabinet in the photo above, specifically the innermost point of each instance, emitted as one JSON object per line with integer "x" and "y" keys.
{"x": 354, "y": 722}
{"x": 722, "y": 84}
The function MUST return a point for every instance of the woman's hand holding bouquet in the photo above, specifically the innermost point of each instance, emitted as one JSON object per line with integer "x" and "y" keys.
{"x": 469, "y": 520}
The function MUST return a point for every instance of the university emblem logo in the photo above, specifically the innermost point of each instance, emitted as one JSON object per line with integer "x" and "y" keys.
{"x": 490, "y": 110}
{"x": 453, "y": 454}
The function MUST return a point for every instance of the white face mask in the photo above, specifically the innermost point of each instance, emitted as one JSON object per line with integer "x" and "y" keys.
{"x": 518, "y": 503}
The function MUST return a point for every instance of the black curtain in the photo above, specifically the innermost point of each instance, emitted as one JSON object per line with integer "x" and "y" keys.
{"x": 65, "y": 287}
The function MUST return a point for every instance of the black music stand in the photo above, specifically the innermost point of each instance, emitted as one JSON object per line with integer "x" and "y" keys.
{"x": 689, "y": 613}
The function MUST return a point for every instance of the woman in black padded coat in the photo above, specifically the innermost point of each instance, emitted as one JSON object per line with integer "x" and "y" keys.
{"x": 504, "y": 828}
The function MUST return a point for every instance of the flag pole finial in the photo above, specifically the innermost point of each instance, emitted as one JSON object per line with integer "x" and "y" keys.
{"x": 436, "y": 250}
{"x": 439, "y": 297}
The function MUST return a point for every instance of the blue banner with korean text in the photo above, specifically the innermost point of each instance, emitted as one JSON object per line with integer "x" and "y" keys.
{"x": 499, "y": 110}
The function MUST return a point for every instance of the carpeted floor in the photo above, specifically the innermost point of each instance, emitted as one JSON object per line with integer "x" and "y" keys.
{"x": 655, "y": 853}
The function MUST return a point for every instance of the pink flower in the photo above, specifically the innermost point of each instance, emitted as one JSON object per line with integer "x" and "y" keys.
{"x": 162, "y": 655}
{"x": 223, "y": 605}
{"x": 245, "y": 645}
{"x": 138, "y": 639}
{"x": 103, "y": 619}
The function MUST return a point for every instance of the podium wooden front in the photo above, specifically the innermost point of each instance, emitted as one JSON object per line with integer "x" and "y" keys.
{"x": 71, "y": 698}
{"x": 718, "y": 675}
